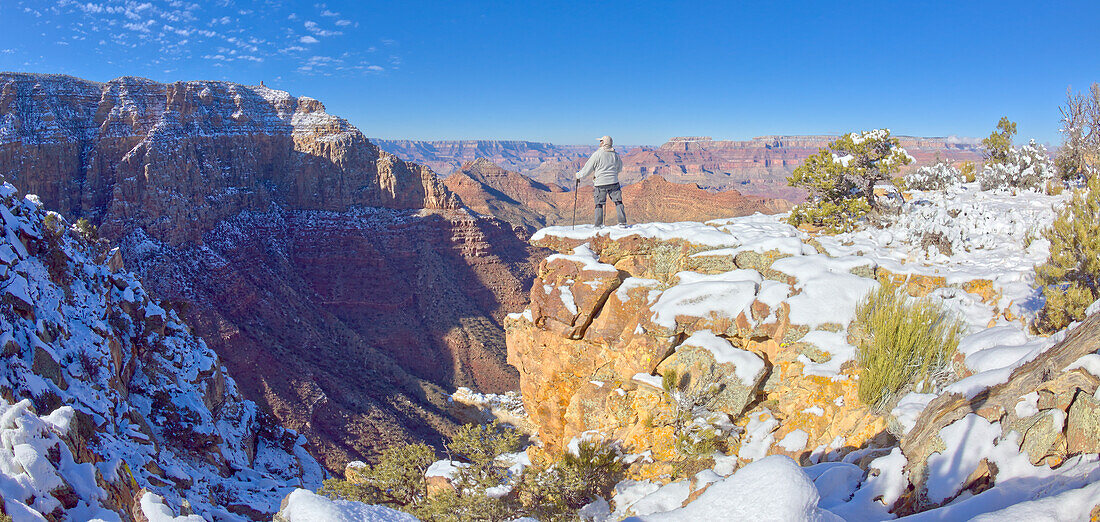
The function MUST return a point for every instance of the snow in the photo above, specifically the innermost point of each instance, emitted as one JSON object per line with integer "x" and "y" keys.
{"x": 1088, "y": 362}
{"x": 824, "y": 279}
{"x": 666, "y": 498}
{"x": 967, "y": 441}
{"x": 694, "y": 233}
{"x": 167, "y": 404}
{"x": 630, "y": 283}
{"x": 1072, "y": 505}
{"x": 910, "y": 407}
{"x": 747, "y": 365}
{"x": 152, "y": 506}
{"x": 444, "y": 468}
{"x": 1028, "y": 405}
{"x": 836, "y": 344}
{"x": 584, "y": 256}
{"x": 814, "y": 410}
{"x": 994, "y": 365}
{"x": 773, "y": 488}
{"x": 758, "y": 437}
{"x": 794, "y": 441}
{"x": 566, "y": 296}
{"x": 652, "y": 380}
{"x": 704, "y": 297}
{"x": 306, "y": 506}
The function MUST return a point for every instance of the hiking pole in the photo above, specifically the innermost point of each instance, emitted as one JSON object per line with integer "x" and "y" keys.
{"x": 576, "y": 186}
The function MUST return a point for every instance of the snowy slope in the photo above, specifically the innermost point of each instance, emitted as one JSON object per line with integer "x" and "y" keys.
{"x": 110, "y": 405}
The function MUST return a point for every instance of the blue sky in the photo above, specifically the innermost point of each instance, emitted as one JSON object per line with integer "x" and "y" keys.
{"x": 567, "y": 72}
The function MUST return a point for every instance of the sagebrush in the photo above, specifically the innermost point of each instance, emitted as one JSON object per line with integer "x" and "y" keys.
{"x": 906, "y": 343}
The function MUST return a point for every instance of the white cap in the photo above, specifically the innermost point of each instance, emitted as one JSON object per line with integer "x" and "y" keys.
{"x": 606, "y": 141}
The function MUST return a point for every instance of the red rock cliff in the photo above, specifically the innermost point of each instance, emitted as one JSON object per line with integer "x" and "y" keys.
{"x": 345, "y": 288}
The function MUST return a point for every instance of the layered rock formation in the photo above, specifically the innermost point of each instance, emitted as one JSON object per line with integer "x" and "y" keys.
{"x": 493, "y": 191}
{"x": 446, "y": 157}
{"x": 327, "y": 273}
{"x": 759, "y": 166}
{"x": 110, "y": 407}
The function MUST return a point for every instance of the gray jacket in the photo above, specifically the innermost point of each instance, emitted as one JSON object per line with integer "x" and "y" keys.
{"x": 604, "y": 165}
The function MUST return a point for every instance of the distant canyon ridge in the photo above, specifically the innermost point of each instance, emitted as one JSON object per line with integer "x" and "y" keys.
{"x": 759, "y": 166}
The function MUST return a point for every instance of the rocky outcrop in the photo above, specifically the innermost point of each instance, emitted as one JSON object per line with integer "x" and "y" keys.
{"x": 493, "y": 191}
{"x": 660, "y": 340}
{"x": 740, "y": 335}
{"x": 325, "y": 271}
{"x": 106, "y": 396}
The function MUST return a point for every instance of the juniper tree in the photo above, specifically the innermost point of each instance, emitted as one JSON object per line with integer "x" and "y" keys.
{"x": 999, "y": 142}
{"x": 1071, "y": 275}
{"x": 842, "y": 177}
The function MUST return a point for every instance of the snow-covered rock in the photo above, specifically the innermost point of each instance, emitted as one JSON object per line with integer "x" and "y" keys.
{"x": 110, "y": 405}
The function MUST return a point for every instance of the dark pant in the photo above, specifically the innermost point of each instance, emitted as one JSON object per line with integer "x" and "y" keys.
{"x": 616, "y": 193}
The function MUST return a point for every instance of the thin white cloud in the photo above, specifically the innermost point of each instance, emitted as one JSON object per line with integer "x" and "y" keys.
{"x": 316, "y": 29}
{"x": 143, "y": 27}
{"x": 343, "y": 23}
{"x": 376, "y": 68}
{"x": 90, "y": 8}
{"x": 308, "y": 40}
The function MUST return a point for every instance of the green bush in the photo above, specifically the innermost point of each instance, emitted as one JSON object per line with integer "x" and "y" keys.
{"x": 575, "y": 480}
{"x": 835, "y": 217}
{"x": 1070, "y": 277}
{"x": 551, "y": 494}
{"x": 968, "y": 171}
{"x": 842, "y": 177}
{"x": 999, "y": 142}
{"x": 904, "y": 342}
{"x": 86, "y": 230}
{"x": 397, "y": 479}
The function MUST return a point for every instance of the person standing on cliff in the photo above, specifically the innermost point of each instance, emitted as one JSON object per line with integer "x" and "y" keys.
{"x": 604, "y": 166}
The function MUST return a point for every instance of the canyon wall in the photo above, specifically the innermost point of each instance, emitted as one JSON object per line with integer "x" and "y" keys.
{"x": 493, "y": 191}
{"x": 110, "y": 406}
{"x": 346, "y": 289}
{"x": 759, "y": 166}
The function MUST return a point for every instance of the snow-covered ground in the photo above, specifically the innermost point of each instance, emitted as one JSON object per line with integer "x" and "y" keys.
{"x": 963, "y": 235}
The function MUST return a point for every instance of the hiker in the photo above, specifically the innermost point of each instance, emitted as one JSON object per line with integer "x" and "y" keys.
{"x": 604, "y": 166}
